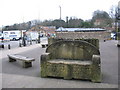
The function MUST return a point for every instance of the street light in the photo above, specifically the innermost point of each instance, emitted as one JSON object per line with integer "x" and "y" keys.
{"x": 20, "y": 40}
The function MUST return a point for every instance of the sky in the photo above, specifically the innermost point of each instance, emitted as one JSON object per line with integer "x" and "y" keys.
{"x": 18, "y": 11}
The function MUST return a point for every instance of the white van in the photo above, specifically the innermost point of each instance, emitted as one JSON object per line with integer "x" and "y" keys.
{"x": 13, "y": 34}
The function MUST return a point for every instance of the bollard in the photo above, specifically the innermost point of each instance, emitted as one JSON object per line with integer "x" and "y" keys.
{"x": 118, "y": 45}
{"x": 43, "y": 46}
{"x": 30, "y": 42}
{"x": 36, "y": 41}
{"x": 8, "y": 46}
{"x": 19, "y": 44}
{"x": 24, "y": 42}
{"x": 3, "y": 46}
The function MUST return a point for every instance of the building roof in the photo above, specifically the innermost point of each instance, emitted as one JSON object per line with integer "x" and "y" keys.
{"x": 61, "y": 29}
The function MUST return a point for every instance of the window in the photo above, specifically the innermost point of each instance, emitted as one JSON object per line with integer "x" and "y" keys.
{"x": 5, "y": 32}
{"x": 12, "y": 32}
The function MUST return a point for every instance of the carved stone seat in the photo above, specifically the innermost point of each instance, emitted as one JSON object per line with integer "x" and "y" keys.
{"x": 71, "y": 60}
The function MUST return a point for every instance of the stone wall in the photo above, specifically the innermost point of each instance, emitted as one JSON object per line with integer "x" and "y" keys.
{"x": 103, "y": 35}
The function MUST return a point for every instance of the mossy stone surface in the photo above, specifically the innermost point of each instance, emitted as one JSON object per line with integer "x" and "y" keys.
{"x": 61, "y": 58}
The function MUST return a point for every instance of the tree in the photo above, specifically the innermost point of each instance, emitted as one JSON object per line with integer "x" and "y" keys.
{"x": 87, "y": 24}
{"x": 58, "y": 23}
{"x": 113, "y": 11}
{"x": 46, "y": 23}
{"x": 101, "y": 19}
{"x": 114, "y": 14}
{"x": 100, "y": 15}
{"x": 75, "y": 22}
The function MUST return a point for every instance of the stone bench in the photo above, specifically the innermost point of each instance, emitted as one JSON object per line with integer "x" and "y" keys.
{"x": 72, "y": 60}
{"x": 27, "y": 62}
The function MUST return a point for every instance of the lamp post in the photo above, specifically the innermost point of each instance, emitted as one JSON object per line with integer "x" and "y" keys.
{"x": 20, "y": 40}
{"x": 39, "y": 37}
{"x": 38, "y": 30}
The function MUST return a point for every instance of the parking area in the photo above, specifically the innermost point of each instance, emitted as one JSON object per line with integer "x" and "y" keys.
{"x": 15, "y": 44}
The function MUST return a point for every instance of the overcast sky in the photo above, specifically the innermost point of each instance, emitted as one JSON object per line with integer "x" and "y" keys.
{"x": 17, "y": 11}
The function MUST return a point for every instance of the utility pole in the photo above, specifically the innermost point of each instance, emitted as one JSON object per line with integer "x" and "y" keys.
{"x": 60, "y": 12}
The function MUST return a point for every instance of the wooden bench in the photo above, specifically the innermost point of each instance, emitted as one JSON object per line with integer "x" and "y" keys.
{"x": 27, "y": 62}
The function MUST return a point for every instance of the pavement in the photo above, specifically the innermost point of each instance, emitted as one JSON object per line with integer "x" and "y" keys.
{"x": 15, "y": 76}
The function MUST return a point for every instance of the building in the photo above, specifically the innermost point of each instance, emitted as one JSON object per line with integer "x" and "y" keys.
{"x": 49, "y": 30}
{"x": 44, "y": 30}
{"x": 77, "y": 33}
{"x": 98, "y": 22}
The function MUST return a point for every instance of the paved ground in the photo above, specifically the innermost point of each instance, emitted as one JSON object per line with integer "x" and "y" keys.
{"x": 14, "y": 76}
{"x": 109, "y": 58}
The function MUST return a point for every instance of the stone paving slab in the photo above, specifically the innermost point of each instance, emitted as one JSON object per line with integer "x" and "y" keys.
{"x": 0, "y": 80}
{"x": 19, "y": 81}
